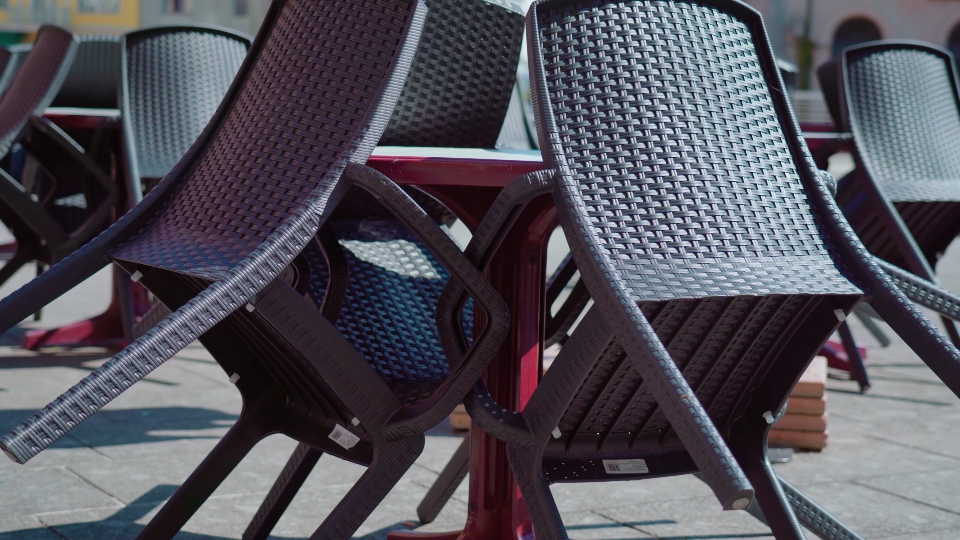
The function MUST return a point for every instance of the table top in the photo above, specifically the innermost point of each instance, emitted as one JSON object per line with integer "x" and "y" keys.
{"x": 454, "y": 166}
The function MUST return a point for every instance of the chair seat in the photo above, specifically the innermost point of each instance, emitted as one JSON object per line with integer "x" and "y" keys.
{"x": 389, "y": 309}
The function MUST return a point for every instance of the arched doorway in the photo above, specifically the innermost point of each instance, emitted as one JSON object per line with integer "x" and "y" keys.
{"x": 853, "y": 31}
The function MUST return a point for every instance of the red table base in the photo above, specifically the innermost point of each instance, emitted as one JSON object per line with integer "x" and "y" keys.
{"x": 104, "y": 330}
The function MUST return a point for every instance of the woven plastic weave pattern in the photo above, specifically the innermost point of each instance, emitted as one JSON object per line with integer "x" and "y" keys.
{"x": 676, "y": 147}
{"x": 906, "y": 122}
{"x": 269, "y": 155}
{"x": 389, "y": 310}
{"x": 33, "y": 83}
{"x": 175, "y": 82}
{"x": 460, "y": 82}
{"x": 94, "y": 76}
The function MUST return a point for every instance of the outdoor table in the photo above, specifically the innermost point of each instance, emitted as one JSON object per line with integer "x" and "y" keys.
{"x": 467, "y": 181}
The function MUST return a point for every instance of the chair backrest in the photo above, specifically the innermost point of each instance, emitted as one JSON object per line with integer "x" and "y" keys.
{"x": 900, "y": 100}
{"x": 461, "y": 80}
{"x": 172, "y": 81}
{"x": 681, "y": 187}
{"x": 516, "y": 133}
{"x": 36, "y": 82}
{"x": 18, "y": 53}
{"x": 94, "y": 76}
{"x": 311, "y": 95}
{"x": 676, "y": 163}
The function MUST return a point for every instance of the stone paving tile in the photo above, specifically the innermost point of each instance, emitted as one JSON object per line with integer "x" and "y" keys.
{"x": 574, "y": 496}
{"x": 24, "y": 528}
{"x": 698, "y": 517}
{"x": 35, "y": 491}
{"x": 937, "y": 488}
{"x": 593, "y": 526}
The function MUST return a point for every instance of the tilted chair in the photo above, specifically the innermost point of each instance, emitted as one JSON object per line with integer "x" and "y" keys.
{"x": 717, "y": 258}
{"x": 218, "y": 239}
{"x": 54, "y": 213}
{"x": 17, "y": 54}
{"x": 899, "y": 99}
{"x": 438, "y": 106}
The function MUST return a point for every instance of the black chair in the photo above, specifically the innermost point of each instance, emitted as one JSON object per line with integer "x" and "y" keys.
{"x": 53, "y": 209}
{"x": 899, "y": 100}
{"x": 717, "y": 258}
{"x": 440, "y": 105}
{"x": 94, "y": 75}
{"x": 219, "y": 241}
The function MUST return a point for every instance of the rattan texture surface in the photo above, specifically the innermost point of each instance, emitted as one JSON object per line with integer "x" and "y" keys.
{"x": 174, "y": 82}
{"x": 688, "y": 183}
{"x": 905, "y": 117}
{"x": 36, "y": 82}
{"x": 459, "y": 86}
{"x": 253, "y": 190}
{"x": 515, "y": 133}
{"x": 94, "y": 75}
{"x": 389, "y": 309}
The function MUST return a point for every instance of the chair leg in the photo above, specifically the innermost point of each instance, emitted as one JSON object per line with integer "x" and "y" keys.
{"x": 294, "y": 474}
{"x": 527, "y": 467}
{"x": 815, "y": 518}
{"x": 858, "y": 371}
{"x": 219, "y": 463}
{"x": 391, "y": 459}
{"x": 867, "y": 321}
{"x": 15, "y": 263}
{"x": 751, "y": 453}
{"x": 951, "y": 330}
{"x": 441, "y": 490}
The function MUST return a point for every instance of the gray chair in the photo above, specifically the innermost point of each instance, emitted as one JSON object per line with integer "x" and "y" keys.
{"x": 717, "y": 258}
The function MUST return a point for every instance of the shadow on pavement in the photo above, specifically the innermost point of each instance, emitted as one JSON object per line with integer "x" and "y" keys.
{"x": 133, "y": 426}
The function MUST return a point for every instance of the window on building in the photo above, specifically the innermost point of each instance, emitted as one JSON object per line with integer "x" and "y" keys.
{"x": 177, "y": 6}
{"x": 241, "y": 8}
{"x": 852, "y": 32}
{"x": 99, "y": 6}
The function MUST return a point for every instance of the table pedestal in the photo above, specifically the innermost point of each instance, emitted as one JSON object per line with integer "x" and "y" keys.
{"x": 496, "y": 510}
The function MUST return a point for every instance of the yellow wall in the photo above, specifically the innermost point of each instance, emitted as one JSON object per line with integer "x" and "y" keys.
{"x": 128, "y": 17}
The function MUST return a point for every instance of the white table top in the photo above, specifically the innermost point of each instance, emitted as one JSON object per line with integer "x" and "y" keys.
{"x": 480, "y": 154}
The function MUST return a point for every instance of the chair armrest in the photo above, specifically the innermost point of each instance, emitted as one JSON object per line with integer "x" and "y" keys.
{"x": 927, "y": 294}
{"x": 424, "y": 415}
{"x": 483, "y": 409}
{"x": 829, "y": 181}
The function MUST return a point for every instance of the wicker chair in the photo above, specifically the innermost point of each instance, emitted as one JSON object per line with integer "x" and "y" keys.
{"x": 219, "y": 241}
{"x": 433, "y": 110}
{"x": 53, "y": 212}
{"x": 717, "y": 258}
{"x": 900, "y": 100}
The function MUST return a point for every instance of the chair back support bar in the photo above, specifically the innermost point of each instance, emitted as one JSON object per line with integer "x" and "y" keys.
{"x": 462, "y": 76}
{"x": 174, "y": 78}
{"x": 36, "y": 82}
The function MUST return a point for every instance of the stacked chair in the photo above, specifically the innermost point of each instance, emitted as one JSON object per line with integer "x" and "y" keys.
{"x": 900, "y": 101}
{"x": 236, "y": 238}
{"x": 717, "y": 257}
{"x": 53, "y": 213}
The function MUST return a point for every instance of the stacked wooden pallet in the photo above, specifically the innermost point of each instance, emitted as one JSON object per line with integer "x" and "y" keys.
{"x": 804, "y": 426}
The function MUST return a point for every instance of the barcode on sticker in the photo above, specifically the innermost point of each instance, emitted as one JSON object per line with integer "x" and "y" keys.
{"x": 344, "y": 438}
{"x": 625, "y": 466}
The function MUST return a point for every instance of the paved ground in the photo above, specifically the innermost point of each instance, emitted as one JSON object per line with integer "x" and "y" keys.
{"x": 890, "y": 471}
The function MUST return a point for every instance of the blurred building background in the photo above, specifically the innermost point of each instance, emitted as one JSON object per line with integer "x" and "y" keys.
{"x": 20, "y": 18}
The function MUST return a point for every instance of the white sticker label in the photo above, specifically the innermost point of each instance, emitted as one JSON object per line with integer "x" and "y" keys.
{"x": 625, "y": 466}
{"x": 344, "y": 438}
